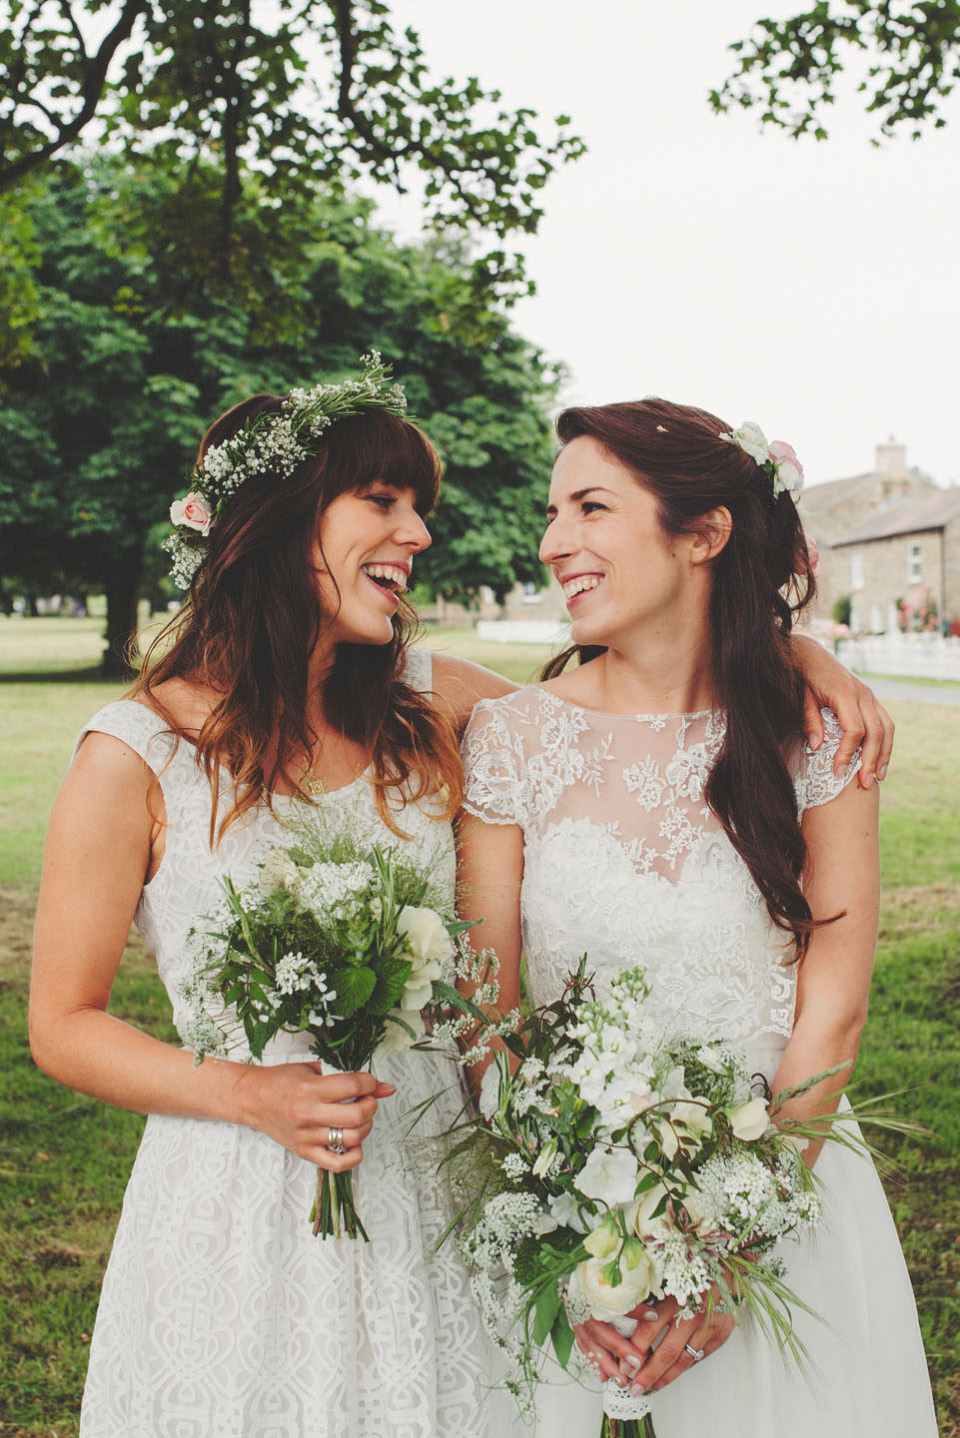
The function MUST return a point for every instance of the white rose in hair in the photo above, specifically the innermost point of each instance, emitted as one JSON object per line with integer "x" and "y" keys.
{"x": 752, "y": 440}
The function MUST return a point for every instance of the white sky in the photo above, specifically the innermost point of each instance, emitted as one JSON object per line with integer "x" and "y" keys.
{"x": 812, "y": 288}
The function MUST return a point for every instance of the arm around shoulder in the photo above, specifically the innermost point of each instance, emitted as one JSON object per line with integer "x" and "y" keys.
{"x": 459, "y": 684}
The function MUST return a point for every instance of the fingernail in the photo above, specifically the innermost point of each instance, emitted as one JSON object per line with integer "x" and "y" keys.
{"x": 630, "y": 1366}
{"x": 650, "y": 1315}
{"x": 637, "y": 1390}
{"x": 868, "y": 780}
{"x": 881, "y": 773}
{"x": 813, "y": 741}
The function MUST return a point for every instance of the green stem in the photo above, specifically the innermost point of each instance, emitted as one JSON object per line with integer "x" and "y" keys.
{"x": 334, "y": 1213}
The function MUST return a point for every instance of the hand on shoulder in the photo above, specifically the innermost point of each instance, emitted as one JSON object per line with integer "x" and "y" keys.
{"x": 459, "y": 684}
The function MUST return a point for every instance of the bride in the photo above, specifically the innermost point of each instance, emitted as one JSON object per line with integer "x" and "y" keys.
{"x": 657, "y": 804}
{"x": 289, "y": 680}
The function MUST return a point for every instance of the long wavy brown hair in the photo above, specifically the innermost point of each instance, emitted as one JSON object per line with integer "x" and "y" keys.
{"x": 762, "y": 579}
{"x": 254, "y": 617}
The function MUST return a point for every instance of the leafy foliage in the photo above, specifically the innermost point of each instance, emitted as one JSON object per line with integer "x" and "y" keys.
{"x": 309, "y": 93}
{"x": 788, "y": 69}
{"x": 137, "y": 346}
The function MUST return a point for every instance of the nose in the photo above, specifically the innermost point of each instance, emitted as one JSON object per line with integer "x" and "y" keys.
{"x": 555, "y": 544}
{"x": 413, "y": 533}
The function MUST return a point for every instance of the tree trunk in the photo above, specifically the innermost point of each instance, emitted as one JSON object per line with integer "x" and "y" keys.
{"x": 122, "y": 591}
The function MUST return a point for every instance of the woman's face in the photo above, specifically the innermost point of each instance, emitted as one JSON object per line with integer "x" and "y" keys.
{"x": 367, "y": 540}
{"x": 619, "y": 570}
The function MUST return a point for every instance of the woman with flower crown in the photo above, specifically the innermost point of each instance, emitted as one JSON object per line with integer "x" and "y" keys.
{"x": 287, "y": 680}
{"x": 659, "y": 805}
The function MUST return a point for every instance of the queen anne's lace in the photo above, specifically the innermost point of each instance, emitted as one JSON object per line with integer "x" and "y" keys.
{"x": 624, "y": 861}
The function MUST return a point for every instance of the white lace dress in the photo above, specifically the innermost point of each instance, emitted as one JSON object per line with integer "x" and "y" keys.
{"x": 624, "y": 861}
{"x": 221, "y": 1316}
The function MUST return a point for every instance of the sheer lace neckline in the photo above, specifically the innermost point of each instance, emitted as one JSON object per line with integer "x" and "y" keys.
{"x": 636, "y": 716}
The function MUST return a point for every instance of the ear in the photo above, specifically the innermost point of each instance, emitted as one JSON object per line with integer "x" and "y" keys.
{"x": 716, "y": 527}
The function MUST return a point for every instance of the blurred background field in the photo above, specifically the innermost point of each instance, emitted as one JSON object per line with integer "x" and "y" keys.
{"x": 66, "y": 1158}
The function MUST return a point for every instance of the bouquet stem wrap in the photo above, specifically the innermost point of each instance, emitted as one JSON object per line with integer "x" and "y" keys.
{"x": 625, "y": 1415}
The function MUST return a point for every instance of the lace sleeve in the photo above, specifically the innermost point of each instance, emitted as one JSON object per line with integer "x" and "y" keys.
{"x": 815, "y": 782}
{"x": 493, "y": 789}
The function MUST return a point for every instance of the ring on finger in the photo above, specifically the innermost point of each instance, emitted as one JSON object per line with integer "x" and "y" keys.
{"x": 695, "y": 1353}
{"x": 335, "y": 1141}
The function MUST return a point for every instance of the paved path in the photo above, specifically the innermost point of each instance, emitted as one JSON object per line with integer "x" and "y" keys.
{"x": 918, "y": 693}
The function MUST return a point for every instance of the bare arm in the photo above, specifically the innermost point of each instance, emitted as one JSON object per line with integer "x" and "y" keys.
{"x": 460, "y": 684}
{"x": 864, "y": 721}
{"x": 489, "y": 874}
{"x": 842, "y": 875}
{"x": 97, "y": 856}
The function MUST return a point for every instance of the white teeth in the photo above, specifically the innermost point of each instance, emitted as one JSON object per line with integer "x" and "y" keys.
{"x": 578, "y": 585}
{"x": 393, "y": 572}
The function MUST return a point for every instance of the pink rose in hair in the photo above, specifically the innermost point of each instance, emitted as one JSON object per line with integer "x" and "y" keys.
{"x": 788, "y": 467}
{"x": 193, "y": 511}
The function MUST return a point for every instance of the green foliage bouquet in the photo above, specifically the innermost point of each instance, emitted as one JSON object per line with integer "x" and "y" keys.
{"x": 351, "y": 947}
{"x": 611, "y": 1164}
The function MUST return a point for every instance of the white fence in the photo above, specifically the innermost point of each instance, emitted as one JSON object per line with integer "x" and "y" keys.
{"x": 524, "y": 631}
{"x": 916, "y": 656}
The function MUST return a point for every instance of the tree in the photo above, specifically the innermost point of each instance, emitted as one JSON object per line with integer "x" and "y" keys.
{"x": 233, "y": 84}
{"x": 137, "y": 348}
{"x": 789, "y": 68}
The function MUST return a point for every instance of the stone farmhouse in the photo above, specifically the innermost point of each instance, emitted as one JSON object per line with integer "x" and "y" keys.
{"x": 887, "y": 537}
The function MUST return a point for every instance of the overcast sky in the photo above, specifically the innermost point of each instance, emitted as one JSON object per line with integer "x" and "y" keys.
{"x": 810, "y": 287}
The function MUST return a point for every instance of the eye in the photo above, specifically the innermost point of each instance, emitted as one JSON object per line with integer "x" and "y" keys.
{"x": 383, "y": 501}
{"x": 588, "y": 506}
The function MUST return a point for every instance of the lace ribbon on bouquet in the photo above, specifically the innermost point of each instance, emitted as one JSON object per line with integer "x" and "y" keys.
{"x": 620, "y": 1403}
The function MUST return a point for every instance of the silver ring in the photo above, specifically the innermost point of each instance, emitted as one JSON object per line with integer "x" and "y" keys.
{"x": 695, "y": 1353}
{"x": 335, "y": 1142}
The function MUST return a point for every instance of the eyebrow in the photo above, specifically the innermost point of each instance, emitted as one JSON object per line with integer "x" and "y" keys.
{"x": 579, "y": 494}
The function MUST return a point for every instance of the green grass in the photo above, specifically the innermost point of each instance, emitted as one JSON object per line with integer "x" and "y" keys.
{"x": 65, "y": 1158}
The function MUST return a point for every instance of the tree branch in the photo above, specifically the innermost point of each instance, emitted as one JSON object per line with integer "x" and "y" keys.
{"x": 94, "y": 80}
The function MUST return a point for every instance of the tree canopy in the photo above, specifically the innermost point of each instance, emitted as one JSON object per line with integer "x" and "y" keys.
{"x": 907, "y": 55}
{"x": 311, "y": 94}
{"x": 136, "y": 348}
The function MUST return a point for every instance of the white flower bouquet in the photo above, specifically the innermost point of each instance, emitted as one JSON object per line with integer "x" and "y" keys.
{"x": 611, "y": 1165}
{"x": 349, "y": 946}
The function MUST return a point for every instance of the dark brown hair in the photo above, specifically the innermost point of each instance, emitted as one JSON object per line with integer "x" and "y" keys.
{"x": 762, "y": 579}
{"x": 254, "y": 617}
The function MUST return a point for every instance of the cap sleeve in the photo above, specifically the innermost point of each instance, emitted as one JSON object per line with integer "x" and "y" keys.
{"x": 493, "y": 789}
{"x": 815, "y": 782}
{"x": 142, "y": 729}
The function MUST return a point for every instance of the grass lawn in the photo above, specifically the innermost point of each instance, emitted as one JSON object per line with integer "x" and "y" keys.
{"x": 65, "y": 1158}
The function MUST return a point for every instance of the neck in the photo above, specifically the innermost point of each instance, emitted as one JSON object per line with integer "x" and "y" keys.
{"x": 667, "y": 668}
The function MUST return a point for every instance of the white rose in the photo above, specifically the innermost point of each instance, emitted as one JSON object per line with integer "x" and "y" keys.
{"x": 430, "y": 947}
{"x": 752, "y": 440}
{"x": 639, "y": 1216}
{"x": 609, "y": 1175}
{"x": 605, "y": 1300}
{"x": 750, "y": 1120}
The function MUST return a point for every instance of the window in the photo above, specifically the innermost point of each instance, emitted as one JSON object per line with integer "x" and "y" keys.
{"x": 914, "y": 562}
{"x": 856, "y": 569}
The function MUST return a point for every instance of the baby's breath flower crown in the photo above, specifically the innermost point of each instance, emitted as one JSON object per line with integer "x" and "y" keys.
{"x": 777, "y": 460}
{"x": 272, "y": 446}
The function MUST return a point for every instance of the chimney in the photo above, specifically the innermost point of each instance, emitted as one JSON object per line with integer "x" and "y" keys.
{"x": 891, "y": 457}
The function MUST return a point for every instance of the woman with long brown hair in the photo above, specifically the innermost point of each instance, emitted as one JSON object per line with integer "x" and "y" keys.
{"x": 287, "y": 681}
{"x": 658, "y": 804}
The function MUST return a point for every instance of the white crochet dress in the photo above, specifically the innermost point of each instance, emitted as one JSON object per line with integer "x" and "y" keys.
{"x": 221, "y": 1315}
{"x": 624, "y": 861}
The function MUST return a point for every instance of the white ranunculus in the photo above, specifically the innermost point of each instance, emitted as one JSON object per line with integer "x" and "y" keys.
{"x": 396, "y": 1040}
{"x": 609, "y": 1175}
{"x": 750, "y": 1120}
{"x": 604, "y": 1299}
{"x": 752, "y": 440}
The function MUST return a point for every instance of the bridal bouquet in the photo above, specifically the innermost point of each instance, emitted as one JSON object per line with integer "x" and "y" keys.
{"x": 349, "y": 945}
{"x": 616, "y": 1166}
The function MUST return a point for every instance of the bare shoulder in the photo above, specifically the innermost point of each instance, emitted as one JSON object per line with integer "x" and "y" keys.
{"x": 182, "y": 702}
{"x": 459, "y": 684}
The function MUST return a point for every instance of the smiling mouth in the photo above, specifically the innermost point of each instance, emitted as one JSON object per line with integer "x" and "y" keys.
{"x": 581, "y": 584}
{"x": 391, "y": 578}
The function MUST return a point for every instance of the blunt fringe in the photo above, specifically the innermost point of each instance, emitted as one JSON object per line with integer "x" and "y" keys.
{"x": 254, "y": 616}
{"x": 762, "y": 579}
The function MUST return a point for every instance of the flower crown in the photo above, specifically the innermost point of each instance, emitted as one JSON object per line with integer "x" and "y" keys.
{"x": 273, "y": 446}
{"x": 777, "y": 460}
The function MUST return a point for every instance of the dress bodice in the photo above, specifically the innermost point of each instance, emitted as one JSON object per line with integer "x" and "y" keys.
{"x": 187, "y": 885}
{"x": 624, "y": 860}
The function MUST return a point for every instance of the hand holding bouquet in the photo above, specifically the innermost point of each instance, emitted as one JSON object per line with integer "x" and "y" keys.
{"x": 351, "y": 947}
{"x": 612, "y": 1165}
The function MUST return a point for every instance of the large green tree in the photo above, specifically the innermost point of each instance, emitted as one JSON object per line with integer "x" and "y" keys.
{"x": 905, "y": 53}
{"x": 137, "y": 347}
{"x": 309, "y": 93}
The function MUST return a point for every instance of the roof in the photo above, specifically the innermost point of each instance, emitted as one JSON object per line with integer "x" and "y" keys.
{"x": 930, "y": 511}
{"x": 818, "y": 497}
